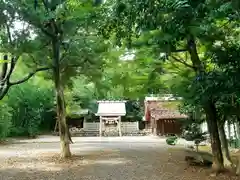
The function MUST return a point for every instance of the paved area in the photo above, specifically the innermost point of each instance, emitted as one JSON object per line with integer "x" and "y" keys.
{"x": 95, "y": 158}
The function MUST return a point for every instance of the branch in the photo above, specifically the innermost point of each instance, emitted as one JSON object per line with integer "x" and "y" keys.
{"x": 183, "y": 62}
{"x": 4, "y": 71}
{"x": 4, "y": 91}
{"x": 175, "y": 66}
{"x": 12, "y": 66}
{"x": 45, "y": 5}
{"x": 69, "y": 43}
{"x": 179, "y": 50}
{"x": 63, "y": 55}
{"x": 75, "y": 65}
{"x": 29, "y": 76}
{"x": 9, "y": 34}
{"x": 71, "y": 66}
{"x": 49, "y": 34}
{"x": 5, "y": 85}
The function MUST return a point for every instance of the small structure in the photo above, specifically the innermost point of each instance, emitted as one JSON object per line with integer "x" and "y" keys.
{"x": 110, "y": 113}
{"x": 162, "y": 116}
{"x": 77, "y": 118}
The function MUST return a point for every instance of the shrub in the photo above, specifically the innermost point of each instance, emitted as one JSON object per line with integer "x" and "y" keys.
{"x": 30, "y": 104}
{"x": 5, "y": 120}
{"x": 171, "y": 140}
{"x": 193, "y": 133}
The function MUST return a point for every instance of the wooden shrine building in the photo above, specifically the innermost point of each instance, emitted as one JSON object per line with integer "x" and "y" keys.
{"x": 162, "y": 116}
{"x": 110, "y": 113}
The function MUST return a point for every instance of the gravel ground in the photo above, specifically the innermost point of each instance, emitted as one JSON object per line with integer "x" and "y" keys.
{"x": 95, "y": 158}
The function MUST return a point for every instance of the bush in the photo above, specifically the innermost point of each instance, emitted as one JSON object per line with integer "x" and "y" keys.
{"x": 5, "y": 120}
{"x": 172, "y": 140}
{"x": 193, "y": 133}
{"x": 31, "y": 105}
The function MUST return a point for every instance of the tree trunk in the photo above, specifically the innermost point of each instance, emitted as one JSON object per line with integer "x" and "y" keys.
{"x": 211, "y": 116}
{"x": 209, "y": 107}
{"x": 4, "y": 79}
{"x": 56, "y": 126}
{"x": 225, "y": 150}
{"x": 61, "y": 109}
{"x": 238, "y": 127}
{"x": 238, "y": 166}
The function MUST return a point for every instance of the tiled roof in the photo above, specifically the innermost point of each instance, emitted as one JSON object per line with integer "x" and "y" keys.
{"x": 158, "y": 110}
{"x": 167, "y": 114}
{"x": 166, "y": 97}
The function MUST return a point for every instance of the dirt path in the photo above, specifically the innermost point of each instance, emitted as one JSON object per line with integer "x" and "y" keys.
{"x": 126, "y": 158}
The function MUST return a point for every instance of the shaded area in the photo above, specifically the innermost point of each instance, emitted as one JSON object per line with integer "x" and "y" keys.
{"x": 98, "y": 161}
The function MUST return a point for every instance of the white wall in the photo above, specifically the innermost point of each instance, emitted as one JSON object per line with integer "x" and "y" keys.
{"x": 91, "y": 126}
{"x": 205, "y": 129}
{"x": 126, "y": 127}
{"x": 232, "y": 134}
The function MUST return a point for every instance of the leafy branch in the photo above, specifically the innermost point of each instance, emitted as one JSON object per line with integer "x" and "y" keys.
{"x": 182, "y": 62}
{"x": 31, "y": 74}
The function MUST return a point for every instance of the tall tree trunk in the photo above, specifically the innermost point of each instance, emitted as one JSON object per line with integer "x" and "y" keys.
{"x": 225, "y": 150}
{"x": 238, "y": 127}
{"x": 238, "y": 166}
{"x": 209, "y": 107}
{"x": 211, "y": 116}
{"x": 61, "y": 109}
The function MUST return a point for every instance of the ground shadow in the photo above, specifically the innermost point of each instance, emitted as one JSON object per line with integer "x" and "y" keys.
{"x": 92, "y": 161}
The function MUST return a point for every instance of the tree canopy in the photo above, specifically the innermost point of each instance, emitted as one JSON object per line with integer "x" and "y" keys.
{"x": 95, "y": 50}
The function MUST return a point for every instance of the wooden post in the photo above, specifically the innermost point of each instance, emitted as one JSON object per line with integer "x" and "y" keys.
{"x": 56, "y": 126}
{"x": 154, "y": 127}
{"x": 100, "y": 127}
{"x": 119, "y": 126}
{"x": 84, "y": 120}
{"x": 152, "y": 124}
{"x": 163, "y": 129}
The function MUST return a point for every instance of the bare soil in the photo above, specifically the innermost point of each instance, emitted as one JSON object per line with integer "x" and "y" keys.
{"x": 116, "y": 158}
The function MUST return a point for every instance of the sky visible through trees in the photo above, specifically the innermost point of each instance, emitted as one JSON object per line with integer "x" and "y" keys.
{"x": 68, "y": 54}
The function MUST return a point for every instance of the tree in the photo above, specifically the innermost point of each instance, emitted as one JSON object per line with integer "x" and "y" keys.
{"x": 32, "y": 107}
{"x": 178, "y": 28}
{"x": 226, "y": 59}
{"x": 14, "y": 49}
{"x": 64, "y": 26}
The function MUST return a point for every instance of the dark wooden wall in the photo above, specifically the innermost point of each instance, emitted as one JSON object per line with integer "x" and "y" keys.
{"x": 75, "y": 122}
{"x": 168, "y": 126}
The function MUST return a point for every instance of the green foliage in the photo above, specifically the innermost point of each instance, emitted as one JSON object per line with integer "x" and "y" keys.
{"x": 84, "y": 95}
{"x": 174, "y": 29}
{"x": 172, "y": 140}
{"x": 162, "y": 35}
{"x": 81, "y": 95}
{"x": 81, "y": 50}
{"x": 134, "y": 111}
{"x": 30, "y": 105}
{"x": 193, "y": 133}
{"x": 5, "y": 120}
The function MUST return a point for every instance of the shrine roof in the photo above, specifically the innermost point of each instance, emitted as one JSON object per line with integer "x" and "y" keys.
{"x": 167, "y": 114}
{"x": 111, "y": 108}
{"x": 164, "y": 110}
